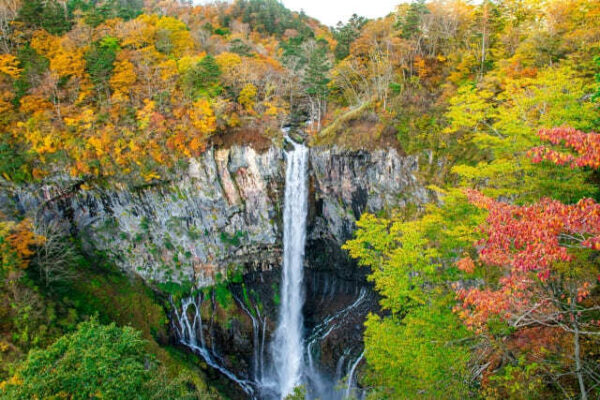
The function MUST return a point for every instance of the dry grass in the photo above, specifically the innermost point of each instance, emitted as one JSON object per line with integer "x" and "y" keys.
{"x": 358, "y": 128}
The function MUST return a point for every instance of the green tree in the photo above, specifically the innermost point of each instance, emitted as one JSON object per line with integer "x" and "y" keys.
{"x": 238, "y": 46}
{"x": 203, "y": 79}
{"x": 410, "y": 23}
{"x": 34, "y": 65}
{"x": 420, "y": 356}
{"x": 96, "y": 361}
{"x": 316, "y": 79}
{"x": 299, "y": 393}
{"x": 494, "y": 132}
{"x": 50, "y": 15}
{"x": 100, "y": 63}
{"x": 96, "y": 12}
{"x": 271, "y": 16}
{"x": 596, "y": 95}
{"x": 293, "y": 56}
{"x": 418, "y": 348}
{"x": 14, "y": 163}
{"x": 347, "y": 33}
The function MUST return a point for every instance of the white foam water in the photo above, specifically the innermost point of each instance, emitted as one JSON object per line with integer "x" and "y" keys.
{"x": 287, "y": 347}
{"x": 293, "y": 359}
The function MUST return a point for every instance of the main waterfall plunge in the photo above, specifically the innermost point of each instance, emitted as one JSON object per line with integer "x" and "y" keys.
{"x": 287, "y": 348}
{"x": 292, "y": 358}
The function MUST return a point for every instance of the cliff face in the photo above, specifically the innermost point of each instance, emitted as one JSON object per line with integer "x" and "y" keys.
{"x": 224, "y": 212}
{"x": 346, "y": 184}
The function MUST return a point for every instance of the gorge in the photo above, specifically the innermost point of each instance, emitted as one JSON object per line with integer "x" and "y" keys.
{"x": 214, "y": 240}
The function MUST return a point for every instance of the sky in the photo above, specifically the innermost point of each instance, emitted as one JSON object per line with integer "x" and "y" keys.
{"x": 329, "y": 12}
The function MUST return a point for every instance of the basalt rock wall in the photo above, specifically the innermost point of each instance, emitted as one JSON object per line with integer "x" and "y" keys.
{"x": 224, "y": 212}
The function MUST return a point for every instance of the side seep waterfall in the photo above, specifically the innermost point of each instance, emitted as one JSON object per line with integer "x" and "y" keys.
{"x": 188, "y": 332}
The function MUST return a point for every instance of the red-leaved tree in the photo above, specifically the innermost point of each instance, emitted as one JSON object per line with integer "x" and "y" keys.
{"x": 586, "y": 147}
{"x": 544, "y": 256}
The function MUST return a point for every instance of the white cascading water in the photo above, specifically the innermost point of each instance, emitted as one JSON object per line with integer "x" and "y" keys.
{"x": 287, "y": 347}
{"x": 351, "y": 383}
{"x": 187, "y": 333}
{"x": 293, "y": 359}
{"x": 320, "y": 385}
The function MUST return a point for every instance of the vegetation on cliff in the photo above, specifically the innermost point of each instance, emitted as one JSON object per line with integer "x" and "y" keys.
{"x": 113, "y": 89}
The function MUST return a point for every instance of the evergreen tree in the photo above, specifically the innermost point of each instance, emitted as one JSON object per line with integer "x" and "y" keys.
{"x": 317, "y": 71}
{"x": 410, "y": 23}
{"x": 293, "y": 56}
{"x": 203, "y": 78}
{"x": 316, "y": 79}
{"x": 271, "y": 17}
{"x": 100, "y": 62}
{"x": 347, "y": 33}
{"x": 30, "y": 12}
{"x": 238, "y": 46}
{"x": 34, "y": 65}
{"x": 49, "y": 15}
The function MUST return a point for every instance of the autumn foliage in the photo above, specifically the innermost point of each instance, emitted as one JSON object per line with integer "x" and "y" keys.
{"x": 17, "y": 243}
{"x": 127, "y": 97}
{"x": 489, "y": 283}
{"x": 528, "y": 238}
{"x": 538, "y": 238}
{"x": 586, "y": 147}
{"x": 520, "y": 240}
{"x": 542, "y": 255}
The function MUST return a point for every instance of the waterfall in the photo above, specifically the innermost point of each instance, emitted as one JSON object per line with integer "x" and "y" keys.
{"x": 322, "y": 386}
{"x": 287, "y": 347}
{"x": 187, "y": 332}
{"x": 351, "y": 375}
{"x": 292, "y": 358}
{"x": 322, "y": 330}
{"x": 258, "y": 339}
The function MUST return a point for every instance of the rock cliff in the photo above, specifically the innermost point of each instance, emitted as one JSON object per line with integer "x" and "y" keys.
{"x": 222, "y": 217}
{"x": 224, "y": 211}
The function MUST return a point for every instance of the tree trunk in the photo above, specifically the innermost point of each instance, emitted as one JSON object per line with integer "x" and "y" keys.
{"x": 577, "y": 351}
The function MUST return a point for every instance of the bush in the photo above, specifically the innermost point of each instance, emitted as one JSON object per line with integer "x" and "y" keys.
{"x": 96, "y": 361}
